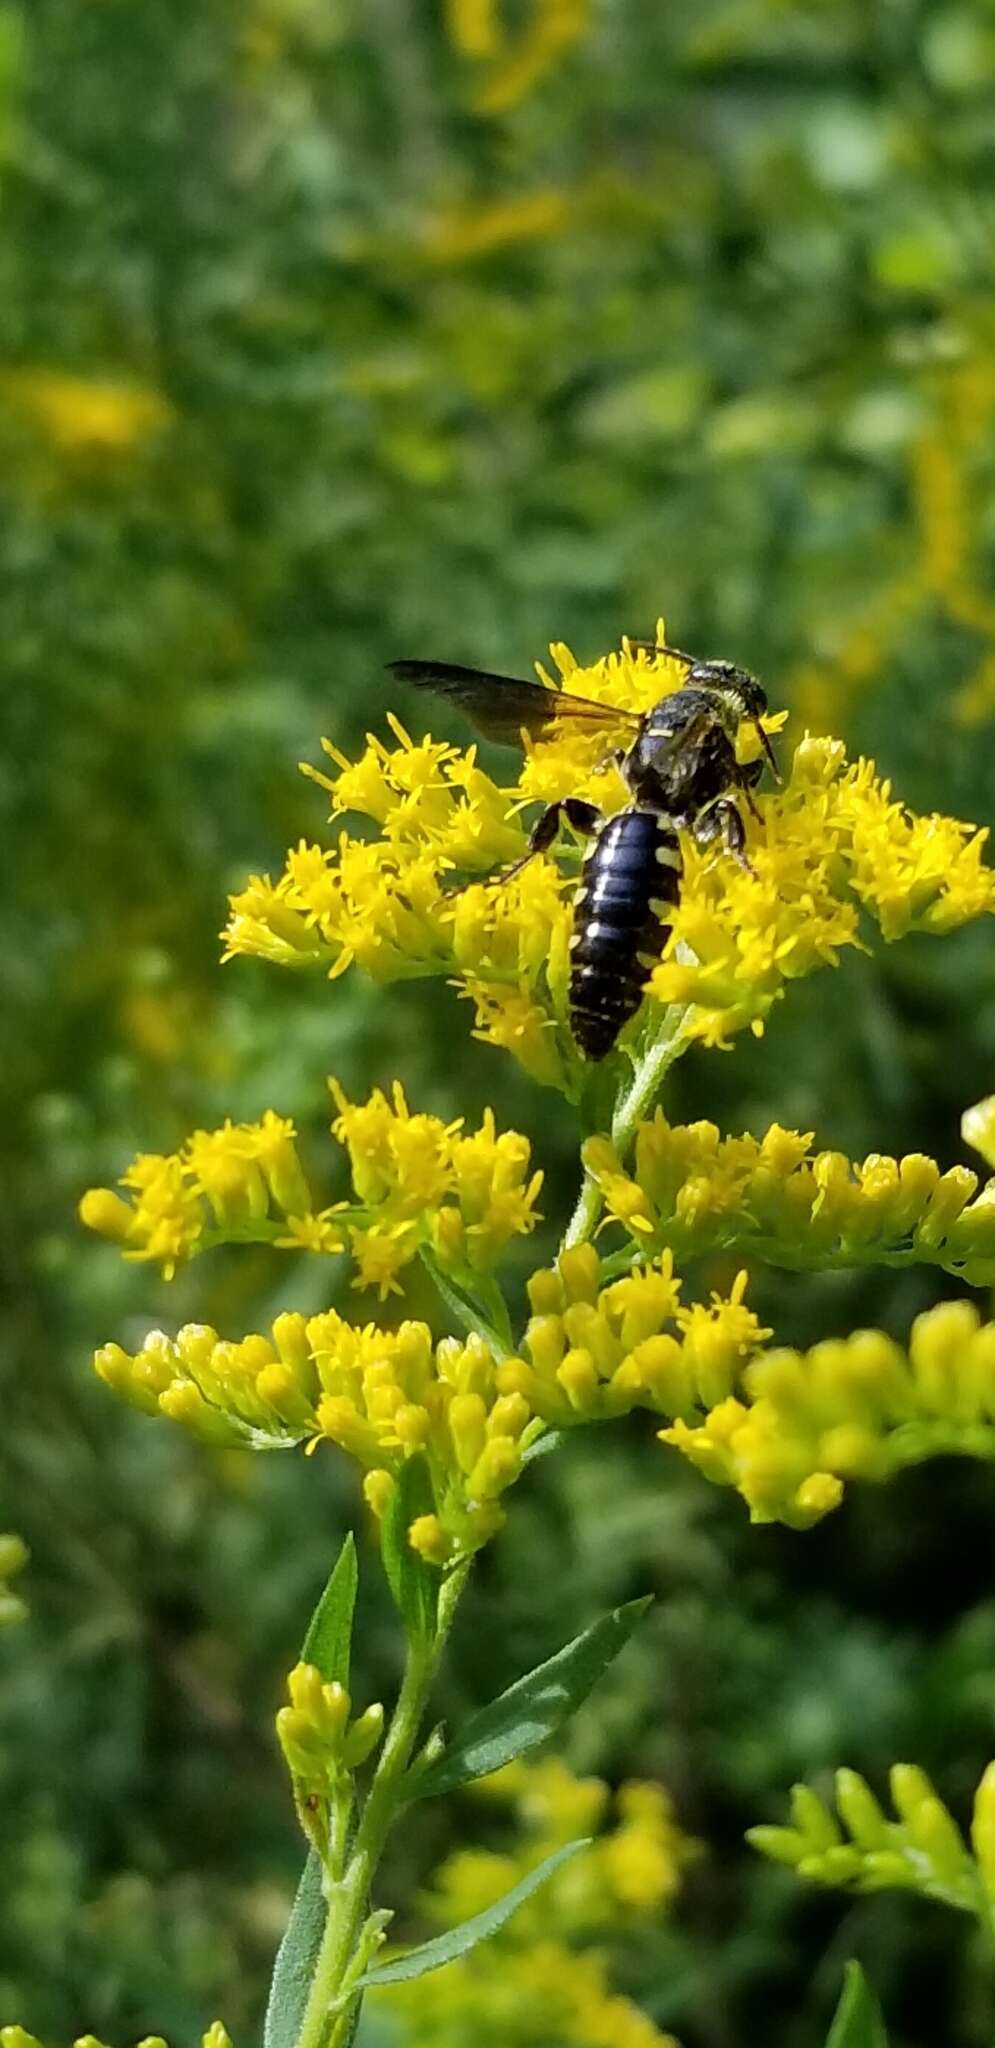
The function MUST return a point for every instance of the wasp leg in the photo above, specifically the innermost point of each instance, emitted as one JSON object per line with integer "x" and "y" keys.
{"x": 748, "y": 778}
{"x": 583, "y": 817}
{"x": 723, "y": 820}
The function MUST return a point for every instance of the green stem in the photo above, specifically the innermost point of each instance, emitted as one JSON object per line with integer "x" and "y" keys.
{"x": 348, "y": 1899}
{"x": 632, "y": 1104}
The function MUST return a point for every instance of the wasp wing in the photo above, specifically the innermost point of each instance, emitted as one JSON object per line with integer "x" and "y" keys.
{"x": 500, "y": 706}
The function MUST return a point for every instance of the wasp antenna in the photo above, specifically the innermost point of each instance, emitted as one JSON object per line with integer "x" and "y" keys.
{"x": 661, "y": 647}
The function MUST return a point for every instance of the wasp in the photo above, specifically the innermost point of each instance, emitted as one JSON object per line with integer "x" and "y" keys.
{"x": 678, "y": 763}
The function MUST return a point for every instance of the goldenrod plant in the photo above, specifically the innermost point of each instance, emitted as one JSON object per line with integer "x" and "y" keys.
{"x": 861, "y": 1848}
{"x": 442, "y": 1426}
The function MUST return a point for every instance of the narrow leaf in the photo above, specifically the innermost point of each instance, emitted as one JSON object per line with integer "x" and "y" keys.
{"x": 485, "y": 1313}
{"x": 447, "y": 1947}
{"x": 534, "y": 1707}
{"x": 858, "y": 2022}
{"x": 329, "y": 1633}
{"x": 296, "y": 1957}
{"x": 541, "y": 1446}
{"x": 414, "y": 1584}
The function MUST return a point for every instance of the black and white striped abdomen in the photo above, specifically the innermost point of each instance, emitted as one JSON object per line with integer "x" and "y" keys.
{"x": 633, "y": 862}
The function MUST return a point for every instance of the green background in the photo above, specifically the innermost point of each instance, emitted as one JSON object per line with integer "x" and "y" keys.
{"x": 702, "y": 323}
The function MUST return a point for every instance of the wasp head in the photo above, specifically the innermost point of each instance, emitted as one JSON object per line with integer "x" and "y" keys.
{"x": 740, "y": 695}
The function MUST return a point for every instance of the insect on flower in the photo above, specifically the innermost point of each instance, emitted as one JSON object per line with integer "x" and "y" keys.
{"x": 678, "y": 762}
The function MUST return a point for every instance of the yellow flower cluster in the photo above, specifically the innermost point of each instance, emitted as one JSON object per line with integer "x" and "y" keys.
{"x": 531, "y": 1985}
{"x": 832, "y": 843}
{"x": 634, "y": 1866}
{"x": 319, "y": 1738}
{"x": 18, "y": 2037}
{"x": 464, "y": 1193}
{"x": 86, "y": 415}
{"x": 851, "y": 1408}
{"x": 587, "y": 1352}
{"x": 776, "y": 1198}
{"x": 14, "y": 1555}
{"x": 379, "y": 1394}
{"x": 922, "y": 1850}
{"x": 591, "y": 1352}
{"x": 418, "y": 1182}
{"x": 242, "y": 1182}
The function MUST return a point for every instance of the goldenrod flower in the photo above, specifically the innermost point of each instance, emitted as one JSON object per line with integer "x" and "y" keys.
{"x": 244, "y": 1181}
{"x": 850, "y": 1408}
{"x": 778, "y": 1199}
{"x": 922, "y": 1850}
{"x": 319, "y": 1737}
{"x": 380, "y": 1395}
{"x": 590, "y": 1352}
{"x": 834, "y": 845}
{"x": 424, "y": 1180}
{"x": 834, "y": 842}
{"x": 418, "y": 1183}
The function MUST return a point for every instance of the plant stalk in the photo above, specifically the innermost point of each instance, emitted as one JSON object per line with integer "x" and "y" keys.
{"x": 348, "y": 1899}
{"x": 632, "y": 1104}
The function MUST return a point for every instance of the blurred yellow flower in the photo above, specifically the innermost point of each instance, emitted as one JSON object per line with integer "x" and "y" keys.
{"x": 84, "y": 415}
{"x": 534, "y": 1984}
{"x": 515, "y": 70}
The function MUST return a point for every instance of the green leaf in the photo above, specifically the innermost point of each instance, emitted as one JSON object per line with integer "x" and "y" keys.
{"x": 432, "y": 1955}
{"x": 541, "y": 1446}
{"x": 329, "y": 1633}
{"x": 296, "y": 1957}
{"x": 534, "y": 1707}
{"x": 858, "y": 2022}
{"x": 482, "y": 1308}
{"x": 414, "y": 1584}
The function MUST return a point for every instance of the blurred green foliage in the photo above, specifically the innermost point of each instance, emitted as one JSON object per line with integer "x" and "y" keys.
{"x": 326, "y": 338}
